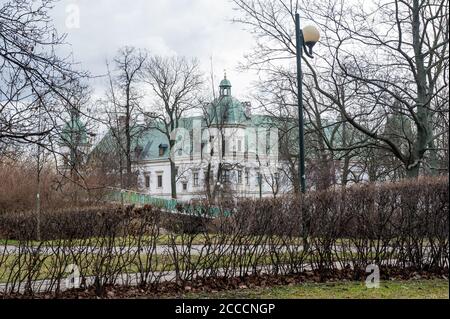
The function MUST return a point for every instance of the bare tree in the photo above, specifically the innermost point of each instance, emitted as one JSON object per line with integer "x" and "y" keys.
{"x": 272, "y": 22}
{"x": 175, "y": 82}
{"x": 30, "y": 71}
{"x": 123, "y": 106}
{"x": 75, "y": 140}
{"x": 394, "y": 55}
{"x": 218, "y": 167}
{"x": 375, "y": 60}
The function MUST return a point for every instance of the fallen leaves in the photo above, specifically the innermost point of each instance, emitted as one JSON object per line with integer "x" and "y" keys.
{"x": 218, "y": 284}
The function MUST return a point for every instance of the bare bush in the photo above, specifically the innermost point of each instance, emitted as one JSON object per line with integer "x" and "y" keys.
{"x": 402, "y": 226}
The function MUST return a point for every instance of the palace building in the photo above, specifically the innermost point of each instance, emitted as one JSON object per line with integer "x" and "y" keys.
{"x": 224, "y": 152}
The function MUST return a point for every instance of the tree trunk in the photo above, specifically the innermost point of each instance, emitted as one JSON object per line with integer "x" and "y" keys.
{"x": 173, "y": 179}
{"x": 208, "y": 183}
{"x": 296, "y": 179}
{"x": 434, "y": 165}
{"x": 423, "y": 116}
{"x": 128, "y": 148}
{"x": 345, "y": 171}
{"x": 413, "y": 172}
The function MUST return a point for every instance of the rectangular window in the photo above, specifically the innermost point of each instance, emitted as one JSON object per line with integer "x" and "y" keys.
{"x": 225, "y": 176}
{"x": 185, "y": 185}
{"x": 196, "y": 184}
{"x": 239, "y": 177}
{"x": 211, "y": 141}
{"x": 258, "y": 178}
{"x": 247, "y": 177}
{"x": 147, "y": 181}
{"x": 162, "y": 149}
{"x": 160, "y": 181}
{"x": 239, "y": 146}
{"x": 224, "y": 146}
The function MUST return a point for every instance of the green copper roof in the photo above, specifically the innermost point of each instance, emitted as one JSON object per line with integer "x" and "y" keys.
{"x": 150, "y": 141}
{"x": 74, "y": 132}
{"x": 226, "y": 110}
{"x": 225, "y": 83}
{"x": 147, "y": 141}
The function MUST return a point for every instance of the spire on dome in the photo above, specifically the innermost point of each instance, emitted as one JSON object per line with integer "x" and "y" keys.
{"x": 225, "y": 85}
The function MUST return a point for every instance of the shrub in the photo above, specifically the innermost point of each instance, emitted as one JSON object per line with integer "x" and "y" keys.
{"x": 401, "y": 225}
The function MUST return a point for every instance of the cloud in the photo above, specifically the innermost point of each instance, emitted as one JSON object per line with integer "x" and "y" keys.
{"x": 197, "y": 28}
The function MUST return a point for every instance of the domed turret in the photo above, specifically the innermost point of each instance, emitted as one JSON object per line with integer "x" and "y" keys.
{"x": 226, "y": 109}
{"x": 74, "y": 142}
{"x": 225, "y": 86}
{"x": 74, "y": 133}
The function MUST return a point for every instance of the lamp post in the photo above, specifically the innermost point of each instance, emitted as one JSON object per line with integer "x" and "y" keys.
{"x": 306, "y": 38}
{"x": 260, "y": 184}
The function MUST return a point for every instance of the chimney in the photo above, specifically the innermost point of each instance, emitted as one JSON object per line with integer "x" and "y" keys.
{"x": 149, "y": 117}
{"x": 122, "y": 119}
{"x": 138, "y": 152}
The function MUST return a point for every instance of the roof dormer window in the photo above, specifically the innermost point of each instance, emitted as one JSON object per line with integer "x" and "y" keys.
{"x": 162, "y": 149}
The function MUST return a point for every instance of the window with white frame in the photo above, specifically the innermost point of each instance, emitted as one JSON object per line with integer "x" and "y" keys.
{"x": 196, "y": 179}
{"x": 147, "y": 181}
{"x": 160, "y": 181}
{"x": 225, "y": 176}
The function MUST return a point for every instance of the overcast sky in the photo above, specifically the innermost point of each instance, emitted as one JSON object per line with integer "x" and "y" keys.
{"x": 197, "y": 28}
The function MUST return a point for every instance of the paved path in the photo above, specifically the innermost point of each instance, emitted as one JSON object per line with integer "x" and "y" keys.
{"x": 133, "y": 279}
{"x": 159, "y": 249}
{"x": 162, "y": 249}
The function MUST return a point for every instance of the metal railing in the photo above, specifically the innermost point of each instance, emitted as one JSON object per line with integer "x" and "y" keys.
{"x": 129, "y": 197}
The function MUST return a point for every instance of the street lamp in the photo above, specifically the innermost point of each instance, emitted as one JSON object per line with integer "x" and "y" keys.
{"x": 305, "y": 39}
{"x": 260, "y": 184}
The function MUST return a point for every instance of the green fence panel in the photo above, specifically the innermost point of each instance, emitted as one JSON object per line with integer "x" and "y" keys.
{"x": 130, "y": 198}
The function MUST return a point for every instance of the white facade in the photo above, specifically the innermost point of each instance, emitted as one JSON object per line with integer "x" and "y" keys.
{"x": 239, "y": 174}
{"x": 239, "y": 150}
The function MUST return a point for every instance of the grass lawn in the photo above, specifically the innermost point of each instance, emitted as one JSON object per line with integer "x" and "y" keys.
{"x": 119, "y": 241}
{"x": 46, "y": 265}
{"x": 411, "y": 289}
{"x": 199, "y": 239}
